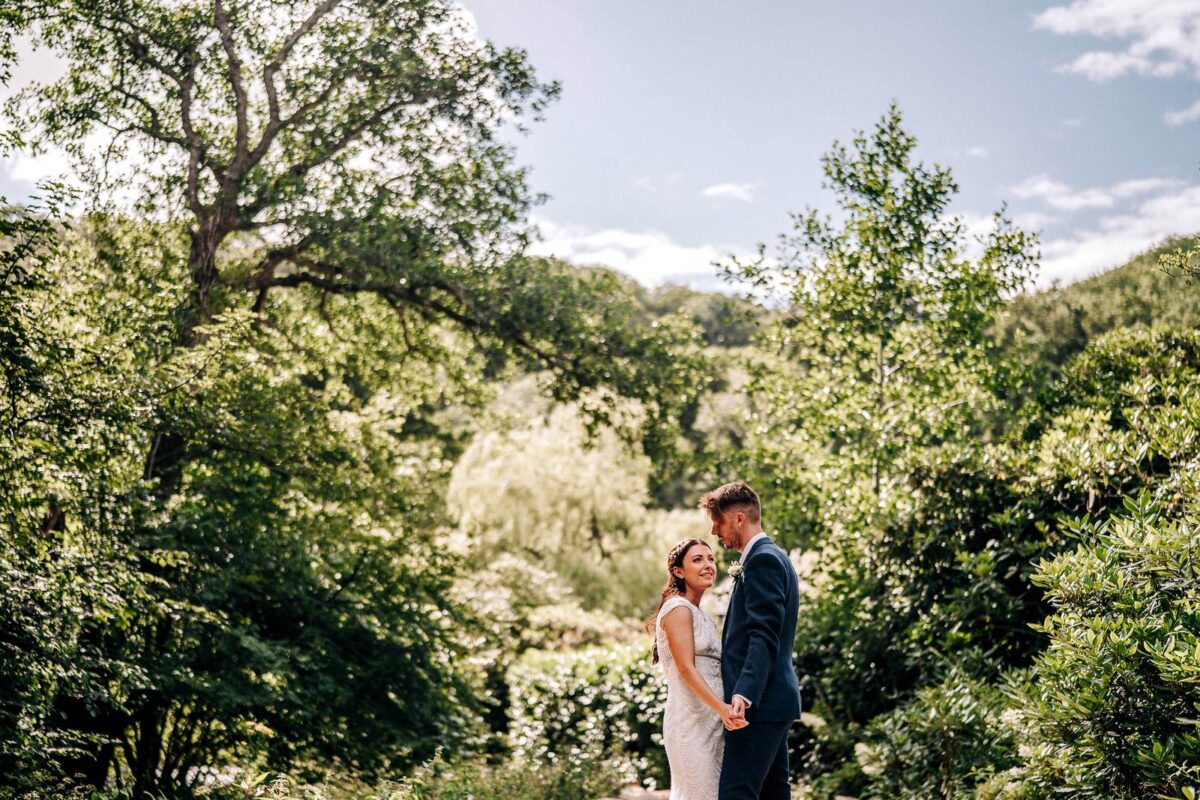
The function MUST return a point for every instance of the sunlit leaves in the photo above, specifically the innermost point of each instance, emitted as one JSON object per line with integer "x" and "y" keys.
{"x": 886, "y": 317}
{"x": 1112, "y": 710}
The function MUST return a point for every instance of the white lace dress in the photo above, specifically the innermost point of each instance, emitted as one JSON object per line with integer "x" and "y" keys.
{"x": 692, "y": 732}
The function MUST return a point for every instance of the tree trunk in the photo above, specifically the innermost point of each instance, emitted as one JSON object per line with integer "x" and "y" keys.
{"x": 89, "y": 768}
{"x": 147, "y": 780}
{"x": 206, "y": 239}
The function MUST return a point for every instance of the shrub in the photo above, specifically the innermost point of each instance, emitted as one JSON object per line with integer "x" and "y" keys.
{"x": 1112, "y": 712}
{"x": 595, "y": 704}
{"x": 452, "y": 780}
{"x": 939, "y": 744}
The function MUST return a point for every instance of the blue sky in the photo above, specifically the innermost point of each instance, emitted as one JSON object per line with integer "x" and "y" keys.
{"x": 688, "y": 130}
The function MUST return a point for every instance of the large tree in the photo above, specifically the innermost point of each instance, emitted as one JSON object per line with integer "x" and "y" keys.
{"x": 882, "y": 345}
{"x": 308, "y": 240}
{"x": 352, "y": 146}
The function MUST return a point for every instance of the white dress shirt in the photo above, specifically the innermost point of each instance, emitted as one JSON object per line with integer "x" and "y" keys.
{"x": 750, "y": 544}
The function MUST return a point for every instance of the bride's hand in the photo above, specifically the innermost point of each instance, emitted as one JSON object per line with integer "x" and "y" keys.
{"x": 731, "y": 721}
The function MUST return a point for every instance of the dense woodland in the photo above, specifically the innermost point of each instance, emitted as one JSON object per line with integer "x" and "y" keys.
{"x": 313, "y": 483}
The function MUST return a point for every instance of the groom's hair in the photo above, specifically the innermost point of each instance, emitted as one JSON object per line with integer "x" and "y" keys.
{"x": 737, "y": 495}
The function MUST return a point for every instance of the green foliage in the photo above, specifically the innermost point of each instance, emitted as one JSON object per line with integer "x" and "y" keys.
{"x": 947, "y": 581}
{"x": 440, "y": 779}
{"x": 1112, "y": 709}
{"x": 1048, "y": 328}
{"x": 883, "y": 343}
{"x": 67, "y": 578}
{"x": 939, "y": 744}
{"x": 593, "y": 704}
{"x": 337, "y": 269}
{"x": 211, "y": 628}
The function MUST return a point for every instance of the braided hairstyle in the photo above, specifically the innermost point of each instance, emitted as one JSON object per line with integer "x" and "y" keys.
{"x": 675, "y": 586}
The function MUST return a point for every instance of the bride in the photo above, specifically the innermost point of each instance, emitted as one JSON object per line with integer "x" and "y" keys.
{"x": 686, "y": 641}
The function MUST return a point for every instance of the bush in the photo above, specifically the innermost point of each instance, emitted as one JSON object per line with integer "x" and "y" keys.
{"x": 1112, "y": 712}
{"x": 572, "y": 779}
{"x": 441, "y": 780}
{"x": 596, "y": 704}
{"x": 939, "y": 744}
{"x": 947, "y": 579}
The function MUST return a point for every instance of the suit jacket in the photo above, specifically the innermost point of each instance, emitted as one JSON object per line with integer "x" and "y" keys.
{"x": 759, "y": 634}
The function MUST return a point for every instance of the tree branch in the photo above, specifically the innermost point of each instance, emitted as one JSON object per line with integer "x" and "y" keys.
{"x": 195, "y": 146}
{"x": 429, "y": 307}
{"x": 241, "y": 104}
{"x": 285, "y": 50}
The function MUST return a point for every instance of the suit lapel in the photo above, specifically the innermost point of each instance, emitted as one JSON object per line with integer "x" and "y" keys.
{"x": 737, "y": 582}
{"x": 726, "y": 627}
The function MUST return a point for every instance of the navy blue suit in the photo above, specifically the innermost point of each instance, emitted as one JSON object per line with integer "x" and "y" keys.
{"x": 756, "y": 662}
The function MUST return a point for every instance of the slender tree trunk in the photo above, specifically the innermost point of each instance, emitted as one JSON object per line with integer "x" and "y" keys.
{"x": 147, "y": 782}
{"x": 206, "y": 239}
{"x": 880, "y": 397}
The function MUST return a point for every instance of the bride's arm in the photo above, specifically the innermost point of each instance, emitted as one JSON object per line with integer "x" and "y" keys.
{"x": 677, "y": 625}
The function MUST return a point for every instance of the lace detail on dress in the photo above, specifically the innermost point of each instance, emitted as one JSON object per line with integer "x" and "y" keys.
{"x": 692, "y": 732}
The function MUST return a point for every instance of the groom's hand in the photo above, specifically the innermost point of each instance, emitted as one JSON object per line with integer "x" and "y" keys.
{"x": 731, "y": 721}
{"x": 739, "y": 706}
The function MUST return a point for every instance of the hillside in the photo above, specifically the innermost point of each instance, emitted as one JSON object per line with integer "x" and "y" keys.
{"x": 1057, "y": 323}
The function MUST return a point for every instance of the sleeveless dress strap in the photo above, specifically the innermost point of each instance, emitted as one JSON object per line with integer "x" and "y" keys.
{"x": 670, "y": 604}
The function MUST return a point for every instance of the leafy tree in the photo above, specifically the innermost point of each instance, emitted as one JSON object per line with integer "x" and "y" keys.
{"x": 883, "y": 337}
{"x": 348, "y": 147}
{"x": 209, "y": 632}
{"x": 335, "y": 263}
{"x": 540, "y": 488}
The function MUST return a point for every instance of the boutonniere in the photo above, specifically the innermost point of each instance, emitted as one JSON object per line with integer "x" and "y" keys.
{"x": 735, "y": 571}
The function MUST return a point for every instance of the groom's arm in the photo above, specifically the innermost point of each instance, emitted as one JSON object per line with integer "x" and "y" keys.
{"x": 766, "y": 594}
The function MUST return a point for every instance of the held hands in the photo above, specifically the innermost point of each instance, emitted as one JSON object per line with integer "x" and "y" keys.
{"x": 733, "y": 716}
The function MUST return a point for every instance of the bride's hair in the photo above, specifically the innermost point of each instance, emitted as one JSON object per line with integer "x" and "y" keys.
{"x": 675, "y": 585}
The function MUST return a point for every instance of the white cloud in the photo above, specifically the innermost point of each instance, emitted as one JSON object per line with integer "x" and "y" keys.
{"x": 646, "y": 185}
{"x": 1189, "y": 114}
{"x": 732, "y": 191}
{"x": 1114, "y": 239}
{"x": 1125, "y": 218}
{"x": 53, "y": 163}
{"x": 1159, "y": 39}
{"x": 978, "y": 151}
{"x": 651, "y": 257}
{"x": 1137, "y": 186}
{"x": 1059, "y": 195}
{"x": 1034, "y": 220}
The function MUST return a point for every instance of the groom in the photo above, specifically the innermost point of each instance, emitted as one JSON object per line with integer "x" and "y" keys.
{"x": 756, "y": 649}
